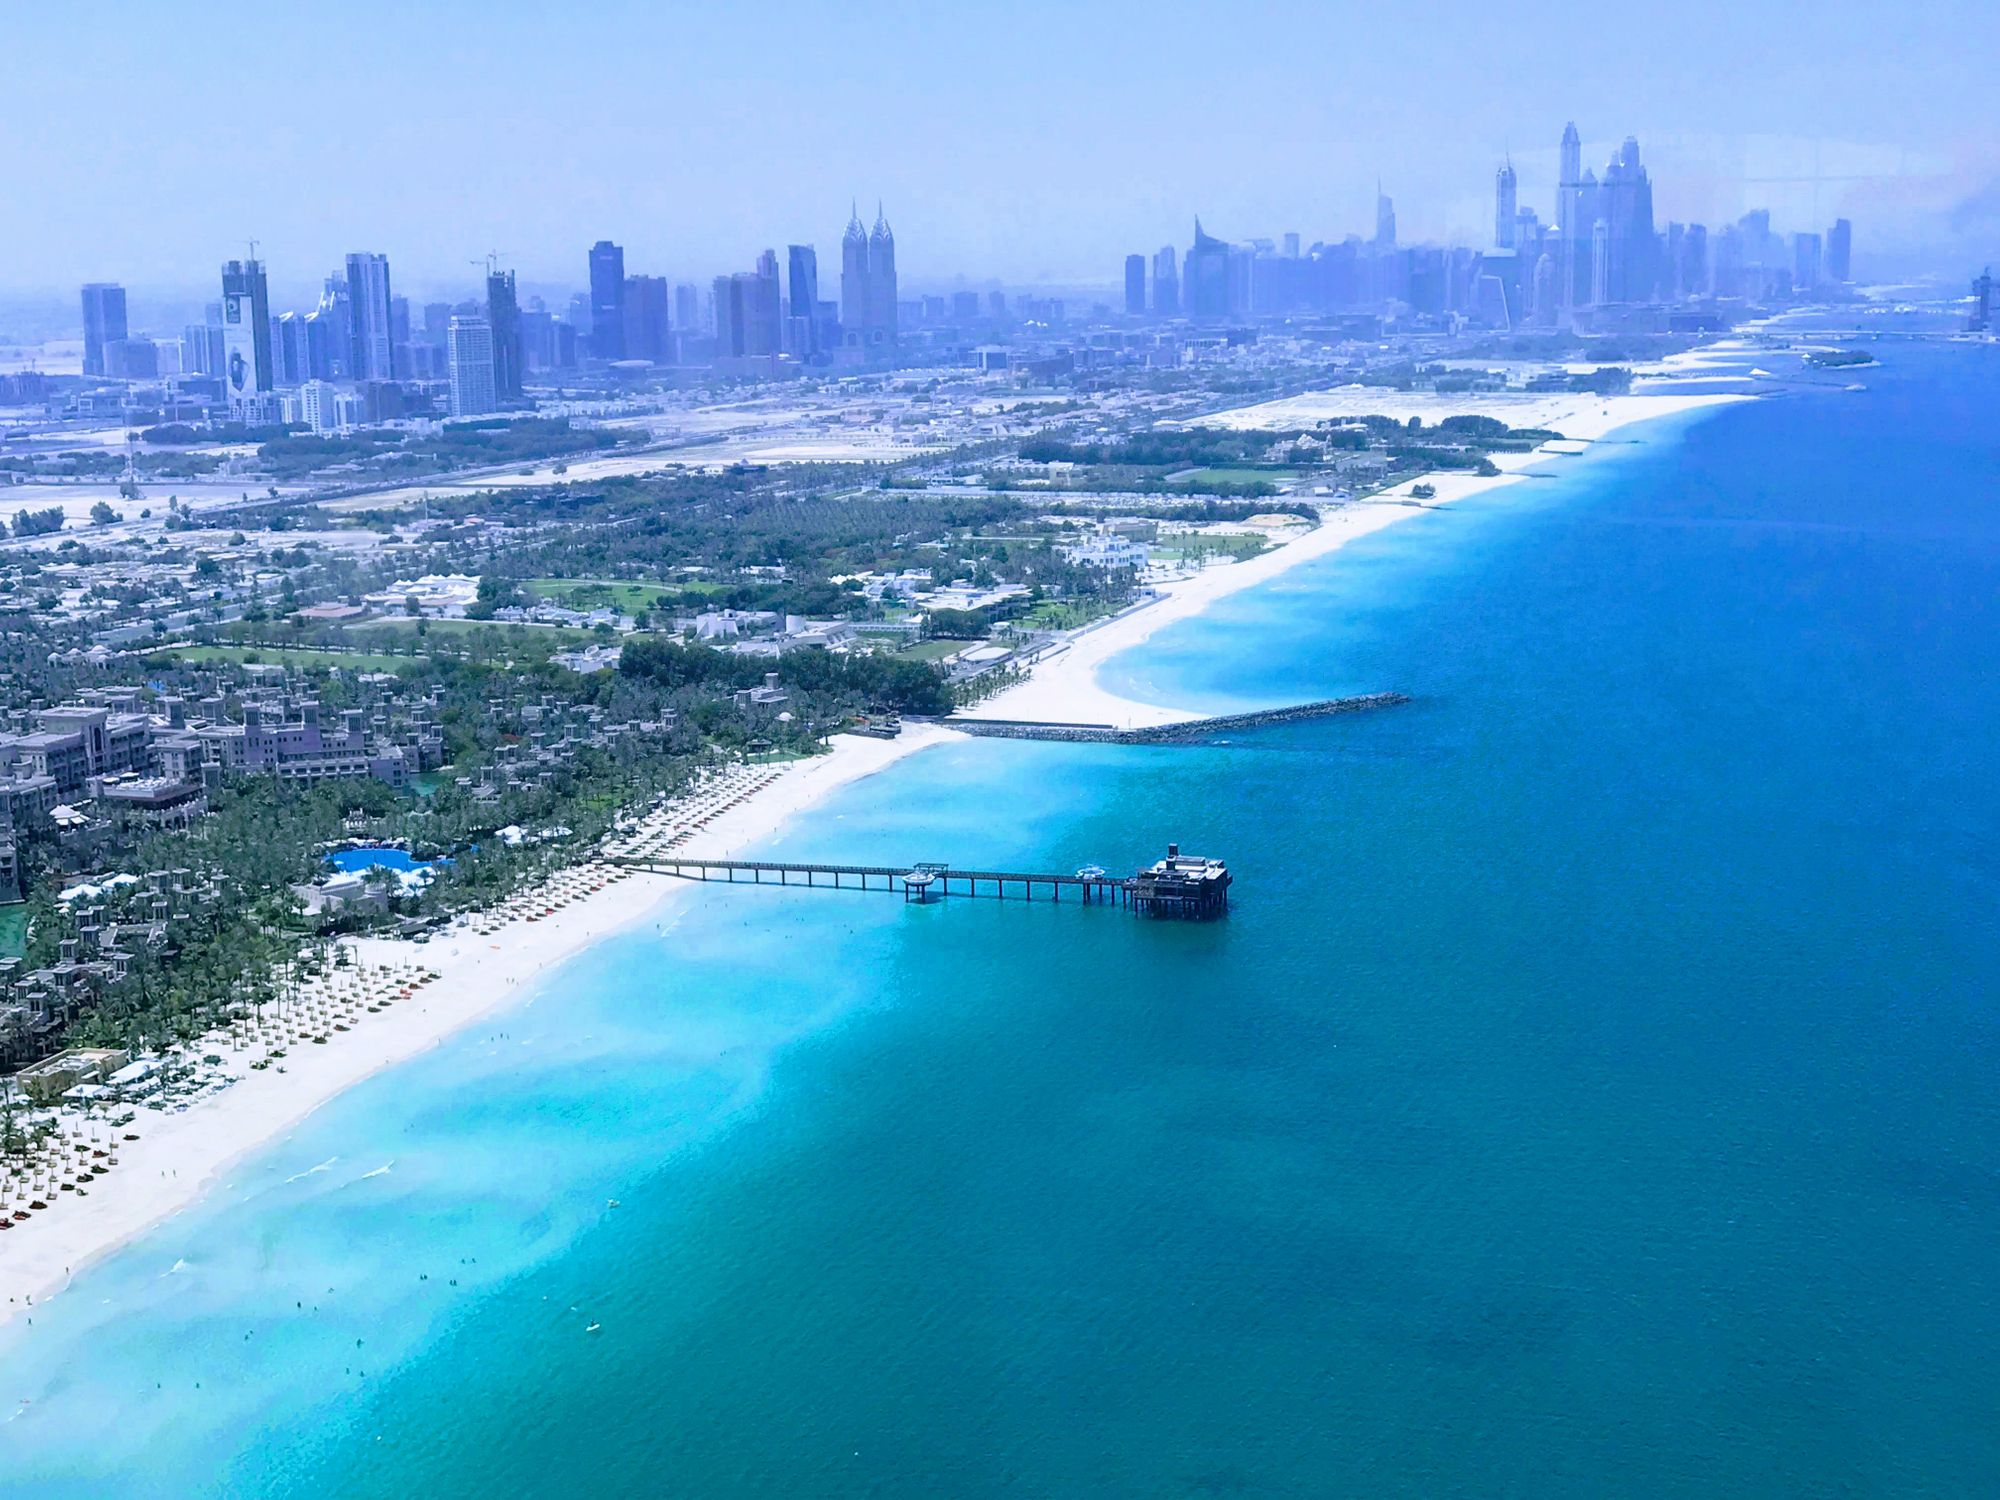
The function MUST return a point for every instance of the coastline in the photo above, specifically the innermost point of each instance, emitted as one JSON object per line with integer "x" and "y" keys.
{"x": 183, "y": 1156}
{"x": 1064, "y": 686}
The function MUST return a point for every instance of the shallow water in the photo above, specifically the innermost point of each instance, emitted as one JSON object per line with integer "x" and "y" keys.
{"x": 1591, "y": 1092}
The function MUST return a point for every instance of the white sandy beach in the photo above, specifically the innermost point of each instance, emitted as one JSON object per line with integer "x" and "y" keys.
{"x": 181, "y": 1155}
{"x": 1065, "y": 686}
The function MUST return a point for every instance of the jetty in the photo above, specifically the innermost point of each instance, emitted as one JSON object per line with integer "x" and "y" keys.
{"x": 1178, "y": 732}
{"x": 1181, "y": 885}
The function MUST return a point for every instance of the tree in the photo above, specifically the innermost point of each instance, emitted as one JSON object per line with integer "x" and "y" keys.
{"x": 103, "y": 515}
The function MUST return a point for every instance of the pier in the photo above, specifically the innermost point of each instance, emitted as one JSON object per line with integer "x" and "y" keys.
{"x": 1179, "y": 732}
{"x": 1178, "y": 886}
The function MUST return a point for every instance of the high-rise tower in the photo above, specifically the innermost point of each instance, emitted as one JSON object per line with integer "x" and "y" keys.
{"x": 369, "y": 340}
{"x": 1504, "y": 213}
{"x": 854, "y": 281}
{"x": 103, "y": 322}
{"x": 246, "y": 332}
{"x": 802, "y": 301}
{"x": 503, "y": 319}
{"x": 881, "y": 281}
{"x": 1568, "y": 175}
{"x": 607, "y": 300}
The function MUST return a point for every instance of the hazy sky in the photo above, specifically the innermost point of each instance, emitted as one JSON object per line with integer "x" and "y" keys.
{"x": 1030, "y": 141}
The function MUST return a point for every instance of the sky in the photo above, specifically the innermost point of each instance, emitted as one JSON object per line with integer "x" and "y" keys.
{"x": 1028, "y": 143}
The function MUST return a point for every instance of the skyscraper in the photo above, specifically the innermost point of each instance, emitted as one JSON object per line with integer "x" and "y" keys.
{"x": 246, "y": 332}
{"x": 1505, "y": 214}
{"x": 854, "y": 281}
{"x": 1205, "y": 273}
{"x": 503, "y": 317}
{"x": 103, "y": 322}
{"x": 1692, "y": 272}
{"x": 469, "y": 349}
{"x": 371, "y": 342}
{"x": 1625, "y": 207}
{"x": 1840, "y": 252}
{"x": 1166, "y": 283}
{"x": 607, "y": 300}
{"x": 687, "y": 307}
{"x": 731, "y": 333}
{"x": 648, "y": 327}
{"x": 1385, "y": 220}
{"x": 290, "y": 363}
{"x": 766, "y": 307}
{"x": 1569, "y": 189}
{"x": 1135, "y": 286}
{"x": 881, "y": 281}
{"x": 802, "y": 301}
{"x": 1806, "y": 261}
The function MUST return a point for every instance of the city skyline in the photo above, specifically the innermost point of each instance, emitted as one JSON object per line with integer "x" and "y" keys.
{"x": 1087, "y": 177}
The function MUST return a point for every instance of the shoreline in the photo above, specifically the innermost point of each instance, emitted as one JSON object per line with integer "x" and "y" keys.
{"x": 1064, "y": 686}
{"x": 182, "y": 1157}
{"x": 188, "y": 1154}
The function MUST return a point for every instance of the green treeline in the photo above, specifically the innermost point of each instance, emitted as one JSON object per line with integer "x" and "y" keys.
{"x": 880, "y": 683}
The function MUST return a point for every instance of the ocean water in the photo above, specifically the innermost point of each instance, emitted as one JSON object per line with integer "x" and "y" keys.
{"x": 1592, "y": 1091}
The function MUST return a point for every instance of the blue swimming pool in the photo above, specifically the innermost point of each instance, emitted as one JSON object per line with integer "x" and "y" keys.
{"x": 349, "y": 860}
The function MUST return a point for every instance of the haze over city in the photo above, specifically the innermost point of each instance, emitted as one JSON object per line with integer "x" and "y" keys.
{"x": 1032, "y": 144}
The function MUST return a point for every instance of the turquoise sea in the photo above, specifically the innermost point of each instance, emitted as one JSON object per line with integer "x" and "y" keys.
{"x": 1593, "y": 1091}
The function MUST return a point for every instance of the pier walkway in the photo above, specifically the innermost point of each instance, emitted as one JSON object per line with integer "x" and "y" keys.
{"x": 1177, "y": 886}
{"x": 916, "y": 882}
{"x": 1179, "y": 731}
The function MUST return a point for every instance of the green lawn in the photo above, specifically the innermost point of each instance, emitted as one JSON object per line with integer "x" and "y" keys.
{"x": 1051, "y": 615}
{"x": 1237, "y": 476}
{"x": 621, "y": 594}
{"x": 933, "y": 650}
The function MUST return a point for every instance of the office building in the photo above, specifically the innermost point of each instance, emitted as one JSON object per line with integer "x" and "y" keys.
{"x": 290, "y": 360}
{"x": 319, "y": 405}
{"x": 1807, "y": 253}
{"x": 1205, "y": 275}
{"x": 246, "y": 333}
{"x": 503, "y": 317}
{"x": 802, "y": 302}
{"x": 1166, "y": 283}
{"x": 371, "y": 343}
{"x": 103, "y": 322}
{"x": 201, "y": 349}
{"x": 854, "y": 285}
{"x": 469, "y": 350}
{"x": 1506, "y": 213}
{"x": 648, "y": 328}
{"x": 1135, "y": 286}
{"x": 607, "y": 300}
{"x": 881, "y": 282}
{"x": 1840, "y": 252}
{"x": 766, "y": 308}
{"x": 868, "y": 284}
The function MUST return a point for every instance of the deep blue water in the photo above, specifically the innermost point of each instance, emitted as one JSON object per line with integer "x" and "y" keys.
{"x": 1591, "y": 1092}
